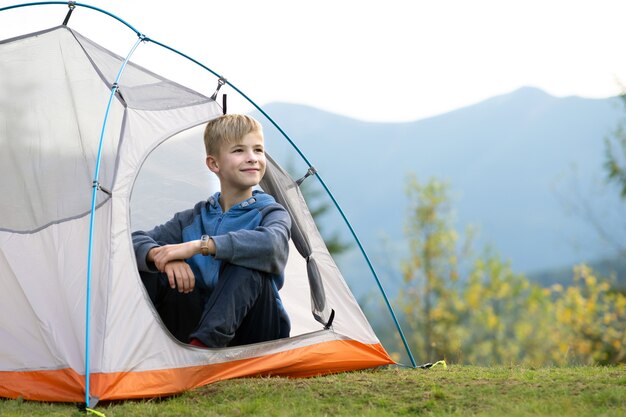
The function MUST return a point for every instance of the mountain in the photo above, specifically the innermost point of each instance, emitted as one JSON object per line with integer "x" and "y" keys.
{"x": 525, "y": 168}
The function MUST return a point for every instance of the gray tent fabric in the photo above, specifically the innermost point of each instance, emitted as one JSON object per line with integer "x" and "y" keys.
{"x": 304, "y": 234}
{"x": 45, "y": 175}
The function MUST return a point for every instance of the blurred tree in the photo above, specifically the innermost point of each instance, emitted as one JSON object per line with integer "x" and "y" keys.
{"x": 430, "y": 273}
{"x": 615, "y": 153}
{"x": 607, "y": 220}
{"x": 494, "y": 315}
{"x": 591, "y": 319}
{"x": 507, "y": 318}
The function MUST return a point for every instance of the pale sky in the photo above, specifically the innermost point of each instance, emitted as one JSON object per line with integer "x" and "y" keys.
{"x": 372, "y": 60}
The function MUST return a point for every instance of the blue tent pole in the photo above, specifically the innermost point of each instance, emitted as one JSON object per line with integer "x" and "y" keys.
{"x": 345, "y": 219}
{"x": 341, "y": 212}
{"x": 95, "y": 189}
{"x": 87, "y": 6}
{"x": 348, "y": 224}
{"x": 371, "y": 267}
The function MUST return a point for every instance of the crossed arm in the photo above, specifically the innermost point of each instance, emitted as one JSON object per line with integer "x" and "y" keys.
{"x": 264, "y": 248}
{"x": 170, "y": 259}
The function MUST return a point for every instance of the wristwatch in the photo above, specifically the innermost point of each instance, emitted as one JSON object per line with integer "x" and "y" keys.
{"x": 204, "y": 245}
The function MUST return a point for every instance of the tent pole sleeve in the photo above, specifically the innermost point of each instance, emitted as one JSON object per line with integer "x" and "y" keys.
{"x": 94, "y": 195}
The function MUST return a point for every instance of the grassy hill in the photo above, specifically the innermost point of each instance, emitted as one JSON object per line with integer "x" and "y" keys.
{"x": 455, "y": 391}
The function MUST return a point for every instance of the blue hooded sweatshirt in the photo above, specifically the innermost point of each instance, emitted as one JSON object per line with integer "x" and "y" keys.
{"x": 254, "y": 234}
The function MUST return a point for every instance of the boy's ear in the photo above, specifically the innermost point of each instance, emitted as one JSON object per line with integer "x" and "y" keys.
{"x": 212, "y": 164}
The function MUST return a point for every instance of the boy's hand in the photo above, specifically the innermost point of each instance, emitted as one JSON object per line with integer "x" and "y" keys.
{"x": 162, "y": 255}
{"x": 170, "y": 259}
{"x": 180, "y": 275}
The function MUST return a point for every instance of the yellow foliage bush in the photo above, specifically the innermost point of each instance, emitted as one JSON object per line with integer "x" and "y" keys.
{"x": 493, "y": 315}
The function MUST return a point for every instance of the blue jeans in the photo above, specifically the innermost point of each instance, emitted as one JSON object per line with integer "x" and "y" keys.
{"x": 241, "y": 309}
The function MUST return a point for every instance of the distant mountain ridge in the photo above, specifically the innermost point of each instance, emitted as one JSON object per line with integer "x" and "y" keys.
{"x": 519, "y": 166}
{"x": 515, "y": 165}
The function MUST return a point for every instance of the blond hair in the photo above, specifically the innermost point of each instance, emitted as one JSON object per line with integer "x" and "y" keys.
{"x": 229, "y": 128}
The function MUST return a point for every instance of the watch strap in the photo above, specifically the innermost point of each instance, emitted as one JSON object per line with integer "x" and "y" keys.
{"x": 204, "y": 245}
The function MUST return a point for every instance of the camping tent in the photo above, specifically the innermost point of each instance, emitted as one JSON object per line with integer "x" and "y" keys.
{"x": 76, "y": 323}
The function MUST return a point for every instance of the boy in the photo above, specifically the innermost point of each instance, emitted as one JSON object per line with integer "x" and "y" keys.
{"x": 213, "y": 272}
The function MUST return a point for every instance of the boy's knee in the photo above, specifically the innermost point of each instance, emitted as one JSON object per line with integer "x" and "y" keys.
{"x": 251, "y": 277}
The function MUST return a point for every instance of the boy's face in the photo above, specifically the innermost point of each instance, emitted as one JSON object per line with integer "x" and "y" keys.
{"x": 240, "y": 166}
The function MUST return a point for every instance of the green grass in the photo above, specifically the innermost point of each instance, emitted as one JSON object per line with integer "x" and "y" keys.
{"x": 456, "y": 391}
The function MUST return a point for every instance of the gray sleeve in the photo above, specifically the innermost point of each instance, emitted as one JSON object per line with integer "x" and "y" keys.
{"x": 265, "y": 248}
{"x": 165, "y": 234}
{"x": 142, "y": 243}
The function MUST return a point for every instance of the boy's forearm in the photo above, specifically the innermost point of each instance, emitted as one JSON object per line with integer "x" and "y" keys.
{"x": 161, "y": 255}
